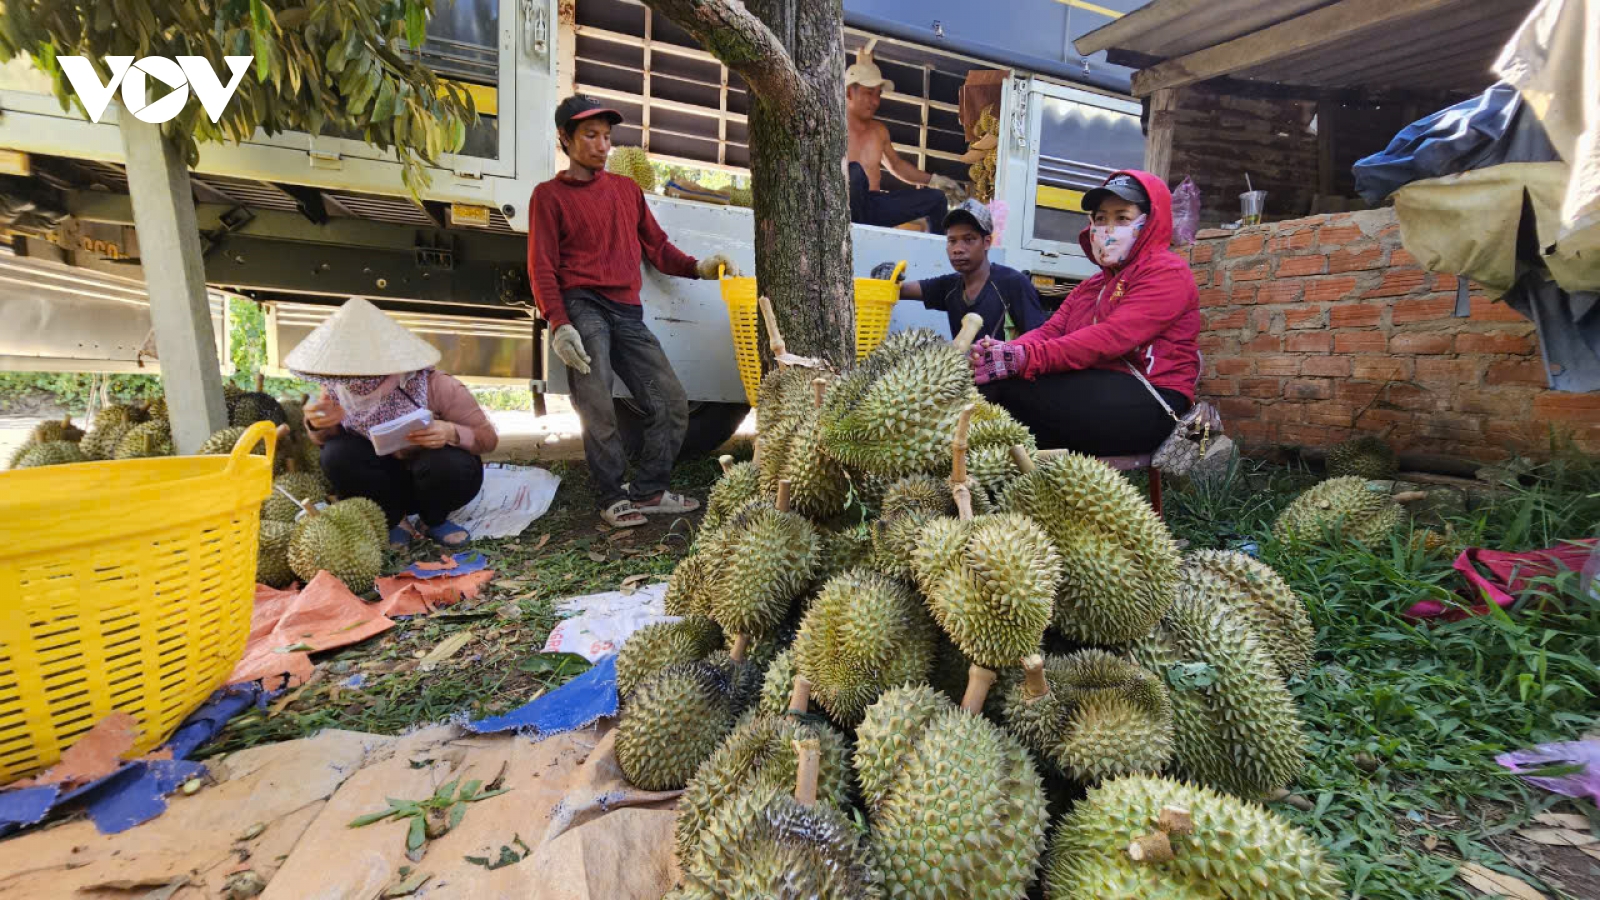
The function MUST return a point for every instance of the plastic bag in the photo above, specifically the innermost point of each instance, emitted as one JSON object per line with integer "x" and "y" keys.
{"x": 1583, "y": 755}
{"x": 1185, "y": 213}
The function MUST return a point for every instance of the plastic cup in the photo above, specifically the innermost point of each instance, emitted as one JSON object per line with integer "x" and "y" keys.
{"x": 1250, "y": 204}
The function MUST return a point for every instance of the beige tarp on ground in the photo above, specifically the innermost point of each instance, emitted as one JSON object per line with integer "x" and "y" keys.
{"x": 591, "y": 836}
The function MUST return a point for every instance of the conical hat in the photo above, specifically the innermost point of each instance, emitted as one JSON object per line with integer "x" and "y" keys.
{"x": 360, "y": 340}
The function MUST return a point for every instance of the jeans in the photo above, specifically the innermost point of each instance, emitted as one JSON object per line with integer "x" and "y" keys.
{"x": 620, "y": 345}
{"x": 891, "y": 208}
{"x": 1092, "y": 411}
{"x": 431, "y": 483}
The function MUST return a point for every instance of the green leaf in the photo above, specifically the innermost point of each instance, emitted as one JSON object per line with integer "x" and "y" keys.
{"x": 470, "y": 789}
{"x": 554, "y": 663}
{"x": 416, "y": 24}
{"x": 383, "y": 110}
{"x": 487, "y": 794}
{"x": 369, "y": 818}
{"x": 457, "y": 811}
{"x": 417, "y": 835}
{"x": 446, "y": 790}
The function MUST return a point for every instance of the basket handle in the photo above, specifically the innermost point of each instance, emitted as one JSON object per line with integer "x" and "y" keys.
{"x": 263, "y": 431}
{"x": 899, "y": 270}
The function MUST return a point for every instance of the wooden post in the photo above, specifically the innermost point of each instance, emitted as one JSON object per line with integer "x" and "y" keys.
{"x": 1325, "y": 119}
{"x": 1158, "y": 143}
{"x": 175, "y": 279}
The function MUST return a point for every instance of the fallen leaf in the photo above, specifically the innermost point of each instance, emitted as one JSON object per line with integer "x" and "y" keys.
{"x": 632, "y": 580}
{"x": 543, "y": 539}
{"x": 409, "y": 886}
{"x": 444, "y": 650}
{"x": 445, "y": 562}
{"x": 1592, "y": 852}
{"x": 1430, "y": 843}
{"x": 165, "y": 893}
{"x": 253, "y": 832}
{"x": 1563, "y": 820}
{"x": 95, "y": 754}
{"x": 1489, "y": 881}
{"x": 1559, "y": 837}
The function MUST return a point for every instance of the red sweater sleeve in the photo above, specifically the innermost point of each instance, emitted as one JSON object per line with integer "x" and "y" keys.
{"x": 544, "y": 255}
{"x": 667, "y": 259}
{"x": 1148, "y": 305}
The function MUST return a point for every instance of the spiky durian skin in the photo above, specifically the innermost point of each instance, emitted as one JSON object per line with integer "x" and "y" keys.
{"x": 1251, "y": 586}
{"x": 1119, "y": 562}
{"x": 688, "y": 590}
{"x": 990, "y": 583}
{"x": 301, "y": 486}
{"x": 1037, "y": 722}
{"x": 661, "y": 644}
{"x": 759, "y": 751}
{"x": 902, "y": 419}
{"x": 777, "y": 686}
{"x": 1241, "y": 732}
{"x": 1366, "y": 456}
{"x": 153, "y": 438}
{"x": 819, "y": 486}
{"x": 737, "y": 486}
{"x": 634, "y": 164}
{"x": 253, "y": 407}
{"x": 893, "y": 540}
{"x": 1238, "y": 850}
{"x": 865, "y": 633}
{"x": 763, "y": 559}
{"x": 765, "y": 845}
{"x": 49, "y": 453}
{"x": 888, "y": 735}
{"x": 367, "y": 513}
{"x": 1120, "y": 721}
{"x": 56, "y": 430}
{"x": 339, "y": 544}
{"x": 965, "y": 818}
{"x": 272, "y": 558}
{"x": 221, "y": 442}
{"x": 671, "y": 723}
{"x": 989, "y": 441}
{"x": 844, "y": 549}
{"x": 110, "y": 426}
{"x": 1362, "y": 515}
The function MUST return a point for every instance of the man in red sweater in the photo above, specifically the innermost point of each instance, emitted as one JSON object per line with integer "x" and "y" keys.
{"x": 587, "y": 231}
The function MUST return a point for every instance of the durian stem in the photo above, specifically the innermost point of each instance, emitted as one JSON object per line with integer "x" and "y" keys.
{"x": 958, "y": 448}
{"x": 971, "y": 324}
{"x": 311, "y": 511}
{"x": 1409, "y": 496}
{"x": 726, "y": 462}
{"x": 1035, "y": 688}
{"x": 1150, "y": 849}
{"x": 783, "y": 495}
{"x": 819, "y": 386}
{"x": 755, "y": 452}
{"x": 261, "y": 382}
{"x": 979, "y": 680}
{"x": 1176, "y": 820}
{"x": 809, "y": 754}
{"x": 774, "y": 336}
{"x": 741, "y": 643}
{"x": 1019, "y": 455}
{"x": 963, "y": 498}
{"x": 800, "y": 697}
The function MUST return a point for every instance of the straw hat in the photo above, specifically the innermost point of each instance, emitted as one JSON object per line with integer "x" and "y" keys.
{"x": 360, "y": 340}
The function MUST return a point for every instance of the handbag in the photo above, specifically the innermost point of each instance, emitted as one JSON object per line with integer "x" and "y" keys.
{"x": 1196, "y": 435}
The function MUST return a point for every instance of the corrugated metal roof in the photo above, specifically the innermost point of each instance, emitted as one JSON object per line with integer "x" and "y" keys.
{"x": 1168, "y": 28}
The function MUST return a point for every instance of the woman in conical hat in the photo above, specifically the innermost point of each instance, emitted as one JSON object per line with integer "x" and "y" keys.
{"x": 372, "y": 371}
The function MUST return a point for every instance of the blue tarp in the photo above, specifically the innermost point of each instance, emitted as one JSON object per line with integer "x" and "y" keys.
{"x": 580, "y": 702}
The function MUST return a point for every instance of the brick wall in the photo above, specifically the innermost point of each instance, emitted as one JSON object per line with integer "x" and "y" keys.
{"x": 1312, "y": 323}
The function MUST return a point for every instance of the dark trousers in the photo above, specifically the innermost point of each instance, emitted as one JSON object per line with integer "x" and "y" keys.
{"x": 1092, "y": 411}
{"x": 891, "y": 208}
{"x": 431, "y": 483}
{"x": 620, "y": 346}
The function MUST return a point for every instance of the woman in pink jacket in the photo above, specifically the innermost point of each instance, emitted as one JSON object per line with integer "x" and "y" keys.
{"x": 1089, "y": 378}
{"x": 372, "y": 370}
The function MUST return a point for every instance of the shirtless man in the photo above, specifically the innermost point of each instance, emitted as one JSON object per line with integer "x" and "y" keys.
{"x": 871, "y": 149}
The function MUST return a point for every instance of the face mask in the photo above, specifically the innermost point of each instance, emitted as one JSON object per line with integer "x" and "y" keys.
{"x": 1111, "y": 243}
{"x": 358, "y": 394}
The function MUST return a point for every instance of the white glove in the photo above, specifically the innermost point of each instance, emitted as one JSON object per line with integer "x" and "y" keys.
{"x": 943, "y": 183}
{"x": 707, "y": 268}
{"x": 568, "y": 345}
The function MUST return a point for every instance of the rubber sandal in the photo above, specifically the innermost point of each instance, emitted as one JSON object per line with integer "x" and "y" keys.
{"x": 669, "y": 504}
{"x": 622, "y": 514}
{"x": 449, "y": 534}
{"x": 399, "y": 537}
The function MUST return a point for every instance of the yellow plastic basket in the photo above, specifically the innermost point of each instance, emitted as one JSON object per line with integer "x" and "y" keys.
{"x": 875, "y": 300}
{"x": 127, "y": 586}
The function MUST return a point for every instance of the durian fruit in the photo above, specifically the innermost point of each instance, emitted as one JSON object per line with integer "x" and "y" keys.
{"x": 110, "y": 424}
{"x": 661, "y": 644}
{"x": 256, "y": 406}
{"x": 1235, "y": 725}
{"x": 741, "y": 196}
{"x": 993, "y": 433}
{"x": 1119, "y": 562}
{"x": 746, "y": 676}
{"x": 990, "y": 583}
{"x": 294, "y": 412}
{"x": 1192, "y": 844}
{"x": 820, "y": 486}
{"x": 298, "y": 485}
{"x": 778, "y": 684}
{"x": 1366, "y": 456}
{"x": 632, "y": 163}
{"x": 889, "y": 733}
{"x": 671, "y": 723}
{"x": 844, "y": 549}
{"x": 272, "y": 558}
{"x": 907, "y": 506}
{"x": 688, "y": 590}
{"x": 49, "y": 453}
{"x": 1091, "y": 715}
{"x": 740, "y": 483}
{"x": 365, "y": 511}
{"x": 864, "y": 633}
{"x": 56, "y": 430}
{"x": 1361, "y": 513}
{"x": 785, "y": 397}
{"x": 342, "y": 543}
{"x": 156, "y": 409}
{"x": 761, "y": 561}
{"x": 1277, "y": 612}
{"x": 152, "y": 438}
{"x": 222, "y": 442}
{"x": 893, "y": 540}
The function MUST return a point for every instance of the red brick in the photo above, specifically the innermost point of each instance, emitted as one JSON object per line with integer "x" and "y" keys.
{"x": 1201, "y": 253}
{"x": 1494, "y": 342}
{"x": 1291, "y": 266}
{"x": 1303, "y": 318}
{"x": 1486, "y": 310}
{"x": 1218, "y": 387}
{"x": 1450, "y": 427}
{"x": 1212, "y": 343}
{"x": 1249, "y": 245}
{"x": 1261, "y": 320}
{"x": 1420, "y": 343}
{"x": 1335, "y": 236}
{"x": 1239, "y": 408}
{"x": 1332, "y": 412}
{"x": 1306, "y": 435}
{"x": 1257, "y": 272}
{"x": 1250, "y": 432}
{"x": 1261, "y": 388}
{"x": 1326, "y": 366}
{"x": 1507, "y": 403}
{"x": 1516, "y": 373}
{"x": 1371, "y": 368}
{"x": 1321, "y": 290}
{"x": 1230, "y": 319}
{"x": 1409, "y": 396}
{"x": 1312, "y": 342}
{"x": 1354, "y": 315}
{"x": 1377, "y": 418}
{"x": 1398, "y": 283}
{"x": 1453, "y": 373}
{"x": 1400, "y": 257}
{"x": 1202, "y": 277}
{"x": 1206, "y": 234}
{"x": 1278, "y": 365}
{"x": 1279, "y": 291}
{"x": 1443, "y": 281}
{"x": 1553, "y": 406}
{"x": 1266, "y": 343}
{"x": 1359, "y": 342}
{"x": 1243, "y": 295}
{"x": 1298, "y": 240}
{"x": 1284, "y": 412}
{"x": 1359, "y": 393}
{"x": 1234, "y": 367}
{"x": 1213, "y": 297}
{"x": 1422, "y": 309}
{"x": 1308, "y": 389}
{"x": 1355, "y": 260}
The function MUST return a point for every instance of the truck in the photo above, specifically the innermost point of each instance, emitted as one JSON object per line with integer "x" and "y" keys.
{"x": 298, "y": 223}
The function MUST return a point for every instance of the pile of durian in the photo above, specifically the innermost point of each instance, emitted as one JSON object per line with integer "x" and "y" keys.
{"x": 1357, "y": 501}
{"x": 906, "y": 644}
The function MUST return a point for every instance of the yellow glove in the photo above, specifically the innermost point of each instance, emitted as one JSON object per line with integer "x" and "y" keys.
{"x": 707, "y": 268}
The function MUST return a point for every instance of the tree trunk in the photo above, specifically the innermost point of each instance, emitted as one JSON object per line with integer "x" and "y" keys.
{"x": 791, "y": 54}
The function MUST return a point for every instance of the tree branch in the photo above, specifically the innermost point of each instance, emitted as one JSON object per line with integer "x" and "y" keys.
{"x": 743, "y": 42}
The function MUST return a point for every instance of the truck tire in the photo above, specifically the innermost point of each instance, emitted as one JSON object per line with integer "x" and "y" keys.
{"x": 710, "y": 426}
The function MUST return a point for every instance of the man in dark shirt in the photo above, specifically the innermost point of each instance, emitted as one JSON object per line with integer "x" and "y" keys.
{"x": 587, "y": 231}
{"x": 1004, "y": 297}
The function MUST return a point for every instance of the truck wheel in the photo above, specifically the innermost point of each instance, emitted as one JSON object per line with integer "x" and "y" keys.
{"x": 710, "y": 425}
